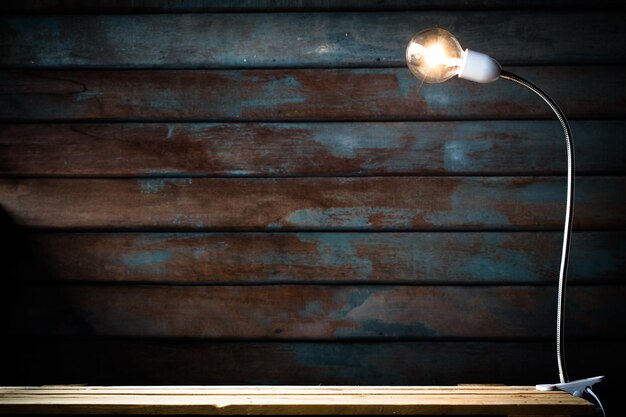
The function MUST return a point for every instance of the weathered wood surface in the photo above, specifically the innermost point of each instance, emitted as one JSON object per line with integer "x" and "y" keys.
{"x": 309, "y": 258}
{"x": 162, "y": 6}
{"x": 307, "y": 149}
{"x": 316, "y": 400}
{"x": 301, "y": 95}
{"x": 158, "y": 362}
{"x": 312, "y": 203}
{"x": 78, "y": 314}
{"x": 303, "y": 39}
{"x": 311, "y": 312}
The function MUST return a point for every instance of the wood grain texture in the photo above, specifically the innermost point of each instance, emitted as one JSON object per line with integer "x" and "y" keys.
{"x": 303, "y": 39}
{"x": 309, "y": 258}
{"x": 185, "y": 6}
{"x": 309, "y": 149}
{"x": 310, "y": 312}
{"x": 266, "y": 297}
{"x": 128, "y": 362}
{"x": 289, "y": 400}
{"x": 311, "y": 203}
{"x": 301, "y": 94}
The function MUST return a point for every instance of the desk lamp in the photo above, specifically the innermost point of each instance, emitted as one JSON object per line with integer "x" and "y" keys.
{"x": 434, "y": 56}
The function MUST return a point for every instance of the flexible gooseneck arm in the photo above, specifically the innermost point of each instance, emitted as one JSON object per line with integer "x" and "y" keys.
{"x": 569, "y": 213}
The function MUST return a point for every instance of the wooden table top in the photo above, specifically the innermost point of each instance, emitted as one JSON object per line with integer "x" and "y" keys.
{"x": 450, "y": 400}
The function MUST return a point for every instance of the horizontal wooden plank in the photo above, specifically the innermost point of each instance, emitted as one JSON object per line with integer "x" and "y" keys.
{"x": 56, "y": 391}
{"x": 301, "y": 94}
{"x": 237, "y": 258}
{"x": 303, "y": 39}
{"x": 310, "y": 311}
{"x": 126, "y": 362}
{"x": 185, "y": 6}
{"x": 263, "y": 400}
{"x": 312, "y": 203}
{"x": 305, "y": 149}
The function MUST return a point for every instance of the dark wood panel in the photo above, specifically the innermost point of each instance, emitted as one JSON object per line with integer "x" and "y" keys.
{"x": 419, "y": 258}
{"x": 311, "y": 311}
{"x": 275, "y": 149}
{"x": 159, "y": 6}
{"x": 312, "y": 203}
{"x": 125, "y": 362}
{"x": 250, "y": 40}
{"x": 306, "y": 94}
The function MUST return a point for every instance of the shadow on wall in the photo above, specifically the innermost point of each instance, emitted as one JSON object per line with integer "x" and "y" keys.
{"x": 21, "y": 266}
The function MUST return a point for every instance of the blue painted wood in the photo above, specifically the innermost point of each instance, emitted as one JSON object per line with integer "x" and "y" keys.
{"x": 309, "y": 149}
{"x": 474, "y": 258}
{"x": 416, "y": 203}
{"x": 252, "y": 40}
{"x": 312, "y": 94}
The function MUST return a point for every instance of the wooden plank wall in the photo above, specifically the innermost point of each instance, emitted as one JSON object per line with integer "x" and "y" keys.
{"x": 212, "y": 192}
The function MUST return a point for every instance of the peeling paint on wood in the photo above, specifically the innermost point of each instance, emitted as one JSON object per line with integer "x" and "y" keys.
{"x": 404, "y": 256}
{"x": 312, "y": 203}
{"x": 301, "y": 94}
{"x": 311, "y": 312}
{"x": 307, "y": 258}
{"x": 276, "y": 149}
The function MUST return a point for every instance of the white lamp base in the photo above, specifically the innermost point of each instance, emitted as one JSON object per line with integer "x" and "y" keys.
{"x": 576, "y": 388}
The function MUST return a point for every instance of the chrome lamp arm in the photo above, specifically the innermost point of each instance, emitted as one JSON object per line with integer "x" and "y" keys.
{"x": 569, "y": 214}
{"x": 579, "y": 386}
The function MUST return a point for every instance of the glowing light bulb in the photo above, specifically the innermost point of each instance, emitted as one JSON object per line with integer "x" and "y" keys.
{"x": 435, "y": 56}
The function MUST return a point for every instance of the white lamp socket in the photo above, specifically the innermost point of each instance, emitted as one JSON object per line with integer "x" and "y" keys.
{"x": 479, "y": 67}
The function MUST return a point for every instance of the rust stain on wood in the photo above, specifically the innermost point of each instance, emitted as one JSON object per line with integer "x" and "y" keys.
{"x": 315, "y": 203}
{"x": 275, "y": 149}
{"x": 213, "y": 258}
{"x": 298, "y": 94}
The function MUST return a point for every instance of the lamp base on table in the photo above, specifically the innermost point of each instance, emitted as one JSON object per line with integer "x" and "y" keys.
{"x": 576, "y": 388}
